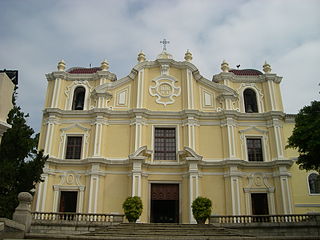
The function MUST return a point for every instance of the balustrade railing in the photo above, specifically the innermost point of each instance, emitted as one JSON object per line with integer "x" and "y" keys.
{"x": 76, "y": 217}
{"x": 265, "y": 218}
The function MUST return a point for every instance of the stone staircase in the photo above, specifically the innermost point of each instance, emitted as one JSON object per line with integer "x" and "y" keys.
{"x": 149, "y": 232}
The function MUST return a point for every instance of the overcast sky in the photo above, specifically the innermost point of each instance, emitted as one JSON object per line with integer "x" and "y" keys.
{"x": 36, "y": 34}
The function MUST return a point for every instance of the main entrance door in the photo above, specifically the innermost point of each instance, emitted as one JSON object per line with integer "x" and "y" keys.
{"x": 164, "y": 203}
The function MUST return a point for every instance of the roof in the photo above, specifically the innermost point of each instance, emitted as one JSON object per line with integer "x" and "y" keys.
{"x": 246, "y": 72}
{"x": 81, "y": 70}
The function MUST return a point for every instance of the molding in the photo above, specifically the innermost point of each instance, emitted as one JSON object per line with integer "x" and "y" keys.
{"x": 249, "y": 79}
{"x": 71, "y": 77}
{"x": 148, "y": 114}
{"x": 307, "y": 205}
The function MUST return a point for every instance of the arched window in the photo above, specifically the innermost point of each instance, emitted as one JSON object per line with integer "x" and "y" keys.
{"x": 314, "y": 183}
{"x": 250, "y": 101}
{"x": 78, "y": 98}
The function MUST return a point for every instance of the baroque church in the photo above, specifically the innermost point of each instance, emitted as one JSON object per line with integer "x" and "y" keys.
{"x": 167, "y": 134}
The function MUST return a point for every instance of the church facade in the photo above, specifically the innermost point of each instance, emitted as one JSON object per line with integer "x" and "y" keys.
{"x": 168, "y": 134}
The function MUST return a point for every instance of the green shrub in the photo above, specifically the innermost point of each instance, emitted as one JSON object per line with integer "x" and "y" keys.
{"x": 132, "y": 207}
{"x": 201, "y": 209}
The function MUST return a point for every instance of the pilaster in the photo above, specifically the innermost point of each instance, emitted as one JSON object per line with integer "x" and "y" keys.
{"x": 190, "y": 94}
{"x": 234, "y": 177}
{"x": 56, "y": 91}
{"x": 230, "y": 125}
{"x": 98, "y": 136}
{"x": 94, "y": 189}
{"x": 49, "y": 135}
{"x": 277, "y": 129}
{"x": 140, "y": 88}
{"x": 285, "y": 190}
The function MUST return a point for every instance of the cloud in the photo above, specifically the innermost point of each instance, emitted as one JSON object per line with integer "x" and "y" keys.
{"x": 37, "y": 33}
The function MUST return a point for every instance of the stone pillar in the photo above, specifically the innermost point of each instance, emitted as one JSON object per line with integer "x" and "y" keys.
{"x": 136, "y": 177}
{"x": 193, "y": 186}
{"x": 22, "y": 214}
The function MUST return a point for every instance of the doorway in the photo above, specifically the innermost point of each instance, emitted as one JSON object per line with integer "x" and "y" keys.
{"x": 259, "y": 202}
{"x": 68, "y": 201}
{"x": 164, "y": 203}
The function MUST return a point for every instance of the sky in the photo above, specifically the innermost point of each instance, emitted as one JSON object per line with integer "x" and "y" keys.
{"x": 36, "y": 34}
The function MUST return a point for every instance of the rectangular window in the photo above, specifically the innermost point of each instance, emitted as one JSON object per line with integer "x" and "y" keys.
{"x": 165, "y": 144}
{"x": 254, "y": 148}
{"x": 74, "y": 147}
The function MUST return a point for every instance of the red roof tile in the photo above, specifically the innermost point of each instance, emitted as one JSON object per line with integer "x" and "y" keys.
{"x": 80, "y": 70}
{"x": 246, "y": 72}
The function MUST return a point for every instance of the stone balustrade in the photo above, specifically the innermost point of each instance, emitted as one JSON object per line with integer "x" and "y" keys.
{"x": 290, "y": 218}
{"x": 76, "y": 217}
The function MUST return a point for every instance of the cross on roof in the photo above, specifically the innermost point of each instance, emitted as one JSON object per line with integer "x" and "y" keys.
{"x": 164, "y": 42}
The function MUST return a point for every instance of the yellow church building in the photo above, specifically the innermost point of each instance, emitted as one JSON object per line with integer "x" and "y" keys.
{"x": 168, "y": 134}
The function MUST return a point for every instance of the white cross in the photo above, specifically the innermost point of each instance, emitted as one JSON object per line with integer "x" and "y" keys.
{"x": 164, "y": 42}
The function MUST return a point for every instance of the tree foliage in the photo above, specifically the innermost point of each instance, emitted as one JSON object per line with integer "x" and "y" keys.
{"x": 132, "y": 207}
{"x": 201, "y": 209}
{"x": 20, "y": 162}
{"x": 306, "y": 137}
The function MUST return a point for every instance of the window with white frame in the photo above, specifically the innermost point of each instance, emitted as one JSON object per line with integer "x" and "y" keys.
{"x": 74, "y": 145}
{"x": 165, "y": 144}
{"x": 254, "y": 149}
{"x": 314, "y": 183}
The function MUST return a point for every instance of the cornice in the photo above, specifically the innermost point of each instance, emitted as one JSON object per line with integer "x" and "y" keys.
{"x": 169, "y": 165}
{"x": 247, "y": 164}
{"x": 246, "y": 79}
{"x": 71, "y": 77}
{"x": 174, "y": 115}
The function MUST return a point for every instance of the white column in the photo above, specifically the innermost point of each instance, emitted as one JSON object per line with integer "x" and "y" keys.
{"x": 235, "y": 191}
{"x": 140, "y": 88}
{"x": 190, "y": 90}
{"x": 193, "y": 193}
{"x": 191, "y": 132}
{"x": 286, "y": 198}
{"x": 136, "y": 178}
{"x": 278, "y": 139}
{"x": 94, "y": 189}
{"x": 42, "y": 193}
{"x": 138, "y": 132}
{"x": 56, "y": 190}
{"x": 56, "y": 91}
{"x": 98, "y": 137}
{"x": 81, "y": 197}
{"x": 272, "y": 95}
{"x": 193, "y": 187}
{"x": 272, "y": 208}
{"x": 49, "y": 135}
{"x": 231, "y": 138}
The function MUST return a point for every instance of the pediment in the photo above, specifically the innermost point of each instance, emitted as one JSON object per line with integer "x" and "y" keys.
{"x": 141, "y": 153}
{"x": 75, "y": 126}
{"x": 252, "y": 129}
{"x": 189, "y": 154}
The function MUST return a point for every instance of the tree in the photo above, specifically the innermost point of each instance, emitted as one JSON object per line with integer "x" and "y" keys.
{"x": 306, "y": 137}
{"x": 20, "y": 163}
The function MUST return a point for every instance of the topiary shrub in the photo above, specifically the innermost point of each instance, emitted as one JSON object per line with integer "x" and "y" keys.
{"x": 132, "y": 207}
{"x": 201, "y": 209}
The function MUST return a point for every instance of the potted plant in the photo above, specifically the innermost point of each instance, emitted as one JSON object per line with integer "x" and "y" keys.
{"x": 132, "y": 207}
{"x": 201, "y": 209}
